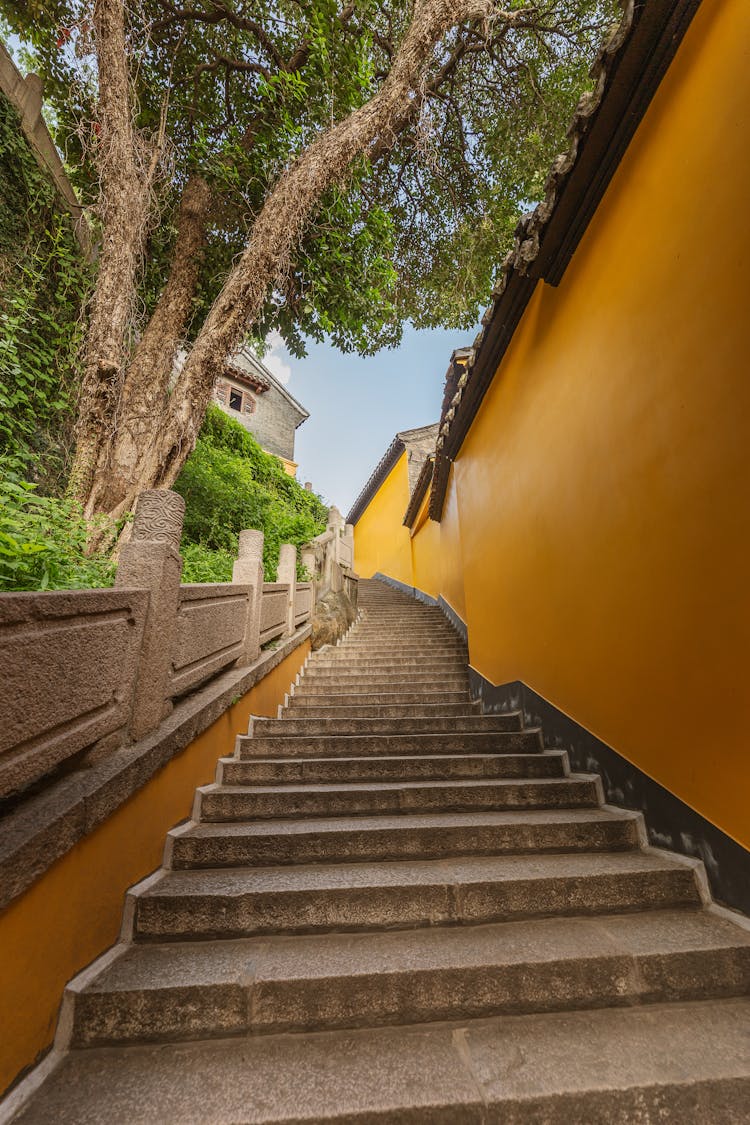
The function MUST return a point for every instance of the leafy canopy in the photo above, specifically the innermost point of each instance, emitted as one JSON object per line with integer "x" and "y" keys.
{"x": 242, "y": 86}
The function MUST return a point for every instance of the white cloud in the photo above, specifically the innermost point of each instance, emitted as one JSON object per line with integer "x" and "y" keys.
{"x": 274, "y": 358}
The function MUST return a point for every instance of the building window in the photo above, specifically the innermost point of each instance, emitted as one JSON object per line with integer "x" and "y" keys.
{"x": 235, "y": 399}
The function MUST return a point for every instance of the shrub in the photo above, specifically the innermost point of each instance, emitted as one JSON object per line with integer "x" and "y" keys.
{"x": 230, "y": 484}
{"x": 43, "y": 541}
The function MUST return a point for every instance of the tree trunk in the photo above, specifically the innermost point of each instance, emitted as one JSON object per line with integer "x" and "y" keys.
{"x": 286, "y": 212}
{"x": 154, "y": 453}
{"x": 145, "y": 392}
{"x": 124, "y": 209}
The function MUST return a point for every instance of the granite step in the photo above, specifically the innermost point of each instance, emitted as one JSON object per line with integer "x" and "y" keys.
{"x": 410, "y": 634}
{"x": 425, "y": 836}
{"x": 356, "y": 644}
{"x": 357, "y": 746}
{"x": 322, "y": 697}
{"x": 297, "y": 708}
{"x": 284, "y": 983}
{"x": 612, "y": 1066}
{"x": 388, "y": 670}
{"x": 382, "y": 683}
{"x": 217, "y": 803}
{"x": 240, "y": 902}
{"x": 293, "y": 727}
{"x": 403, "y": 664}
{"x": 264, "y": 771}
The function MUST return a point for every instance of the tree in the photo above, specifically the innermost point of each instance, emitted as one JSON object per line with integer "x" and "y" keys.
{"x": 279, "y": 163}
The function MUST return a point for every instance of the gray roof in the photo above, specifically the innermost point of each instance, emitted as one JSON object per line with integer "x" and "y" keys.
{"x": 418, "y": 443}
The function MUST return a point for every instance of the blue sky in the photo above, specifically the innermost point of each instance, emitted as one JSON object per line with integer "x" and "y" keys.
{"x": 357, "y": 405}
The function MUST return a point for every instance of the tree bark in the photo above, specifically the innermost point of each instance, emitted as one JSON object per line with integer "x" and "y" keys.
{"x": 287, "y": 210}
{"x": 124, "y": 208}
{"x": 145, "y": 392}
{"x": 156, "y": 444}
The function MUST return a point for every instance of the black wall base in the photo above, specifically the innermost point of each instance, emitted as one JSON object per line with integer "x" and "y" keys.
{"x": 669, "y": 821}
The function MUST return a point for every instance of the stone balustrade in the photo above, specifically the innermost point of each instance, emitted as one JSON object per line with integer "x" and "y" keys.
{"x": 88, "y": 671}
{"x": 329, "y": 558}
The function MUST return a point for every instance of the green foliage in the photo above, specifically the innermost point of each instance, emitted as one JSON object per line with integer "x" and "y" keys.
{"x": 414, "y": 234}
{"x": 43, "y": 283}
{"x": 230, "y": 484}
{"x": 43, "y": 541}
{"x": 202, "y": 564}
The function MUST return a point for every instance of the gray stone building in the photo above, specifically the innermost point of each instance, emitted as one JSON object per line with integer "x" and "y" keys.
{"x": 250, "y": 394}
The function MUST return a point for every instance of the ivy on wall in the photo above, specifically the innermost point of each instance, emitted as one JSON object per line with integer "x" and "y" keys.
{"x": 43, "y": 286}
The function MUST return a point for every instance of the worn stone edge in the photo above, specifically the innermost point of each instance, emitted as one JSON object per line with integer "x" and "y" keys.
{"x": 47, "y": 826}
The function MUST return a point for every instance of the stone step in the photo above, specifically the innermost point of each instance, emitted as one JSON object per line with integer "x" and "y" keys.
{"x": 364, "y": 631}
{"x": 357, "y": 746}
{"x": 313, "y": 982}
{"x": 355, "y": 643}
{"x": 325, "y": 698}
{"x": 373, "y": 896}
{"x": 411, "y": 634}
{"x": 429, "y": 652}
{"x": 614, "y": 1066}
{"x": 384, "y": 683}
{"x": 346, "y": 673}
{"x": 365, "y": 839}
{"x": 404, "y": 664}
{"x": 298, "y": 709}
{"x": 217, "y": 803}
{"x": 259, "y": 771}
{"x": 293, "y": 727}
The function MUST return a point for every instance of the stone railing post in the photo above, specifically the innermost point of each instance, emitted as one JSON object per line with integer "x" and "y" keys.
{"x": 309, "y": 559}
{"x": 151, "y": 559}
{"x": 287, "y": 573}
{"x": 336, "y": 525}
{"x": 248, "y": 571}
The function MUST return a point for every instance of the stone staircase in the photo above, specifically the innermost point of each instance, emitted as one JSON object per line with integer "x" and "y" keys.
{"x": 390, "y": 907}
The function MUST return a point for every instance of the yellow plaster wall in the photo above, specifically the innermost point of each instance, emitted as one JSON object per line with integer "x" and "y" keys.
{"x": 452, "y": 552}
{"x": 602, "y": 490}
{"x": 604, "y": 485}
{"x": 426, "y": 553}
{"x": 381, "y": 542}
{"x": 73, "y": 912}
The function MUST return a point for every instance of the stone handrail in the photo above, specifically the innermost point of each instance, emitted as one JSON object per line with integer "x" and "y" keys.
{"x": 329, "y": 557}
{"x": 88, "y": 671}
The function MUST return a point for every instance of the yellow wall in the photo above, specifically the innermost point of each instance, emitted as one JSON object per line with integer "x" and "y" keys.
{"x": 603, "y": 487}
{"x": 426, "y": 555}
{"x": 73, "y": 912}
{"x": 451, "y": 546}
{"x": 381, "y": 542}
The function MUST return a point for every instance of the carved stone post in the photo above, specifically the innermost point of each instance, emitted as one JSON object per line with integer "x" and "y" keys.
{"x": 309, "y": 560}
{"x": 287, "y": 573}
{"x": 248, "y": 571}
{"x": 151, "y": 559}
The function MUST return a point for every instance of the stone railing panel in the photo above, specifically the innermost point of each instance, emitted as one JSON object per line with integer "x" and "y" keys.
{"x": 303, "y": 600}
{"x": 273, "y": 610}
{"x": 69, "y": 661}
{"x": 210, "y": 633}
